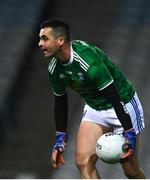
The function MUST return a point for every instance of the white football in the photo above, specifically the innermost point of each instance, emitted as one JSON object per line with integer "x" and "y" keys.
{"x": 109, "y": 147}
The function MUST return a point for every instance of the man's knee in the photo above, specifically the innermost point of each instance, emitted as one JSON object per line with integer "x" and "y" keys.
{"x": 82, "y": 161}
{"x": 86, "y": 166}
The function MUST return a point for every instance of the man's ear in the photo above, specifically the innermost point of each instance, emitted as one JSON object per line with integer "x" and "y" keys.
{"x": 61, "y": 41}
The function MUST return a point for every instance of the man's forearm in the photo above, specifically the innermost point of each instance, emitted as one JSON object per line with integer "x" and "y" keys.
{"x": 61, "y": 112}
{"x": 112, "y": 95}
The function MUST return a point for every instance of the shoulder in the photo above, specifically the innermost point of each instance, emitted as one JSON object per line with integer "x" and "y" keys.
{"x": 89, "y": 53}
{"x": 80, "y": 45}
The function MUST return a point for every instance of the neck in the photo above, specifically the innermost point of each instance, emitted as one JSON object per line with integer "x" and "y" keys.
{"x": 64, "y": 54}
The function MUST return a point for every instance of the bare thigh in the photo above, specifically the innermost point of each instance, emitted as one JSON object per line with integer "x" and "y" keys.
{"x": 87, "y": 136}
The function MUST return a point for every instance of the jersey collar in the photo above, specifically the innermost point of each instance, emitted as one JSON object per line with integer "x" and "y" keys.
{"x": 71, "y": 58}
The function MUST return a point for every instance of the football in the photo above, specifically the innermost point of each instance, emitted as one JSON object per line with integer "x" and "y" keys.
{"x": 109, "y": 147}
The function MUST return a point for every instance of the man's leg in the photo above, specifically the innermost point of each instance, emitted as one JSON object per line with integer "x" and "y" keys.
{"x": 86, "y": 158}
{"x": 131, "y": 168}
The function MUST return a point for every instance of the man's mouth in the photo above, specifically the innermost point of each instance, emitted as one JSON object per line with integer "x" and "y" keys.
{"x": 44, "y": 51}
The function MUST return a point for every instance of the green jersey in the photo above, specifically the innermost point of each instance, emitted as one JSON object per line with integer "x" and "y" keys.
{"x": 88, "y": 71}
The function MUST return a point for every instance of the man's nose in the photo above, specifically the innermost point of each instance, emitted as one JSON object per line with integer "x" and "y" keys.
{"x": 40, "y": 43}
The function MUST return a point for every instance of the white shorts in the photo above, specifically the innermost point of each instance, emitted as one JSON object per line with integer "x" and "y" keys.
{"x": 109, "y": 118}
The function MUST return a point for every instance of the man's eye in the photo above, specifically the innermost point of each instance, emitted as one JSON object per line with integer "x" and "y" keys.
{"x": 44, "y": 38}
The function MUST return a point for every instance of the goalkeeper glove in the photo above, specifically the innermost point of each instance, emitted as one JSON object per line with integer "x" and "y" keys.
{"x": 130, "y": 143}
{"x": 58, "y": 149}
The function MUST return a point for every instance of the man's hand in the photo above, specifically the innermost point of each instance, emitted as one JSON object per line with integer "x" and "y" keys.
{"x": 58, "y": 149}
{"x": 130, "y": 143}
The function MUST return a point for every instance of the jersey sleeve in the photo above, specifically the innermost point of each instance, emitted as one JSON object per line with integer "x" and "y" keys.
{"x": 59, "y": 88}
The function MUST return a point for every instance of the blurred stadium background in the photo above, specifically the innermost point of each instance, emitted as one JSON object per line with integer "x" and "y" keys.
{"x": 120, "y": 28}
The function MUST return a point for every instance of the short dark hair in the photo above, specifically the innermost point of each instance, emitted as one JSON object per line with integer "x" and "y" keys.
{"x": 60, "y": 27}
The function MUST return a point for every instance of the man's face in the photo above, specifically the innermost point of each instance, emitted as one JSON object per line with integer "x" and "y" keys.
{"x": 48, "y": 43}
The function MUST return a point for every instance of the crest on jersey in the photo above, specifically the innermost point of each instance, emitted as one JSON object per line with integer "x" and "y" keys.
{"x": 81, "y": 76}
{"x": 61, "y": 76}
{"x": 69, "y": 72}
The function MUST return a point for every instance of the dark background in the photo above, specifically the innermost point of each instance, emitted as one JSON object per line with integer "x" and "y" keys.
{"x": 120, "y": 28}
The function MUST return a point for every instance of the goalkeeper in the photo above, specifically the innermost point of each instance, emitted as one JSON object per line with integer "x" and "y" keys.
{"x": 111, "y": 102}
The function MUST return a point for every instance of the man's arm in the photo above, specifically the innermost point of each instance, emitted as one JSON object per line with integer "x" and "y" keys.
{"x": 113, "y": 97}
{"x": 61, "y": 138}
{"x": 61, "y": 112}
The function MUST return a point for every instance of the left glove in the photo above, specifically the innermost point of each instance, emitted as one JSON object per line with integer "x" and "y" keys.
{"x": 130, "y": 143}
{"x": 61, "y": 139}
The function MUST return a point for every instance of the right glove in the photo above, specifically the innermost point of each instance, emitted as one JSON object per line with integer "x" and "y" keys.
{"x": 58, "y": 149}
{"x": 130, "y": 143}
